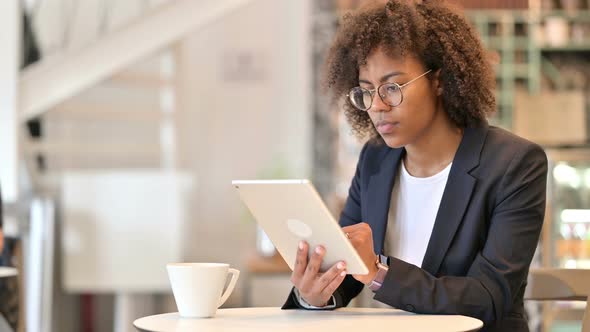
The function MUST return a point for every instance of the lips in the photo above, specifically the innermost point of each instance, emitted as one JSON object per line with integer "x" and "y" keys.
{"x": 386, "y": 127}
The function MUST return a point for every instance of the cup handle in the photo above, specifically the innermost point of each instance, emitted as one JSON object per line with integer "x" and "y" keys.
{"x": 232, "y": 283}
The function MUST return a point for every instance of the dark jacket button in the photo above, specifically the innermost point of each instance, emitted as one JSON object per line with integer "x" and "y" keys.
{"x": 410, "y": 307}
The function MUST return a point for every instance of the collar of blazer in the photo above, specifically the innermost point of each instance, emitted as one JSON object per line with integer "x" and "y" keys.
{"x": 456, "y": 196}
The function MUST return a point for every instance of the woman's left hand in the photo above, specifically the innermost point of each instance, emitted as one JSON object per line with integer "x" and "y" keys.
{"x": 361, "y": 237}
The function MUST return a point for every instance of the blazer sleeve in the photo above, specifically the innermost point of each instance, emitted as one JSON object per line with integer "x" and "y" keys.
{"x": 500, "y": 269}
{"x": 351, "y": 214}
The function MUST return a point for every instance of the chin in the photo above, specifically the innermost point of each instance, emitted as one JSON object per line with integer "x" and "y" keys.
{"x": 394, "y": 141}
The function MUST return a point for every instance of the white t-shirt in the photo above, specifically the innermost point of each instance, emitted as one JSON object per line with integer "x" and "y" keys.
{"x": 412, "y": 212}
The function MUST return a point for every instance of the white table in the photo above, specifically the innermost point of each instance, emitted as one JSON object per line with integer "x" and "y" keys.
{"x": 275, "y": 319}
{"x": 6, "y": 272}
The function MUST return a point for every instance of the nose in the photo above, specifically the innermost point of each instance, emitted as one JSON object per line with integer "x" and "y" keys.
{"x": 378, "y": 104}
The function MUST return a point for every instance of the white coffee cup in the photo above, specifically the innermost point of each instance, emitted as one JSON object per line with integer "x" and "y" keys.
{"x": 198, "y": 287}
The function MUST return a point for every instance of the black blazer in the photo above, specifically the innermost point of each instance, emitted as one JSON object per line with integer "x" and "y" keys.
{"x": 484, "y": 236}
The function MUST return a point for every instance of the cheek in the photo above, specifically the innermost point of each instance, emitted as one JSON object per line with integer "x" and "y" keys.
{"x": 417, "y": 117}
{"x": 418, "y": 109}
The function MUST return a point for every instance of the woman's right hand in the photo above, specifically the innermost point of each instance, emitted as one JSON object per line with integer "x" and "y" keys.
{"x": 316, "y": 288}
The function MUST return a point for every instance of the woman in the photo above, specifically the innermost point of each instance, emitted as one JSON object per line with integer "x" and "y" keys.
{"x": 445, "y": 210}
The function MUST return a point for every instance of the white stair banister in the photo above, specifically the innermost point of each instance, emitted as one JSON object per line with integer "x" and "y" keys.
{"x": 46, "y": 84}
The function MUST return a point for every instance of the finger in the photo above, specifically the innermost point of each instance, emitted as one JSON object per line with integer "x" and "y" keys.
{"x": 351, "y": 229}
{"x": 361, "y": 230}
{"x": 330, "y": 275}
{"x": 356, "y": 229}
{"x": 334, "y": 284}
{"x": 366, "y": 229}
{"x": 313, "y": 267}
{"x": 300, "y": 263}
{"x": 356, "y": 238}
{"x": 349, "y": 234}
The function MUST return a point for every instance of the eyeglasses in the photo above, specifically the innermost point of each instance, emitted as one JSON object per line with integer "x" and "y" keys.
{"x": 390, "y": 93}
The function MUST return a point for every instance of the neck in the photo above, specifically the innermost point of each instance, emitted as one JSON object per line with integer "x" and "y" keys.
{"x": 435, "y": 148}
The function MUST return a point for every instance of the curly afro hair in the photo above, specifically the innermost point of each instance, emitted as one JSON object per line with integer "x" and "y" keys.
{"x": 437, "y": 35}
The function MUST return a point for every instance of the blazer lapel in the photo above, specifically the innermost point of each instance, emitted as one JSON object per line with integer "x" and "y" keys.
{"x": 455, "y": 199}
{"x": 379, "y": 196}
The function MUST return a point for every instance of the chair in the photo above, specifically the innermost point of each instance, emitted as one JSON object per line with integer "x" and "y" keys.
{"x": 560, "y": 285}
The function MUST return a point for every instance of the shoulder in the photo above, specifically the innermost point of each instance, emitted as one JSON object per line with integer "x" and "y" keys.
{"x": 506, "y": 147}
{"x": 498, "y": 137}
{"x": 505, "y": 157}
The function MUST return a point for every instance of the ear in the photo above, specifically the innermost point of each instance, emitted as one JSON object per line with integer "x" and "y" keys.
{"x": 436, "y": 83}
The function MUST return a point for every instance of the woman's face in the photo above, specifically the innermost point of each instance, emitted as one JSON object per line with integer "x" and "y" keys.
{"x": 403, "y": 124}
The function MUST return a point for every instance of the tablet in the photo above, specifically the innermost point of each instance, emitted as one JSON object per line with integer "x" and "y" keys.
{"x": 290, "y": 211}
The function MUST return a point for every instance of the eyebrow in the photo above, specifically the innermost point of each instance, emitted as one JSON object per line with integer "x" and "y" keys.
{"x": 384, "y": 78}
